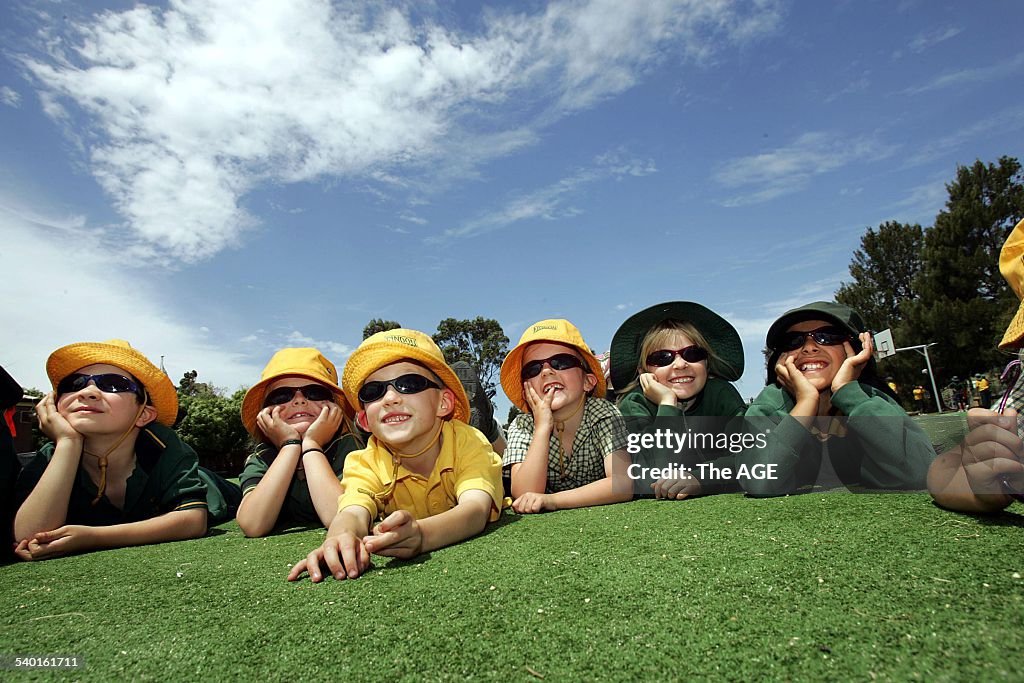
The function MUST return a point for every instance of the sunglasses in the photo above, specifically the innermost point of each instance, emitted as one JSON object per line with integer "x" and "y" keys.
{"x": 108, "y": 383}
{"x": 403, "y": 384}
{"x": 823, "y": 336}
{"x": 559, "y": 361}
{"x": 312, "y": 392}
{"x": 665, "y": 357}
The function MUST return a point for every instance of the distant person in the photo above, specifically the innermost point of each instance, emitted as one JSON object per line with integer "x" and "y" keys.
{"x": 984, "y": 391}
{"x": 828, "y": 420}
{"x": 919, "y": 398}
{"x": 116, "y": 474}
{"x": 985, "y": 473}
{"x": 481, "y": 410}
{"x": 303, "y": 426}
{"x": 564, "y": 447}
{"x": 678, "y": 360}
{"x": 426, "y": 477}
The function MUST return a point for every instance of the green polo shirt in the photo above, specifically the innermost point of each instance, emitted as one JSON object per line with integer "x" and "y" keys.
{"x": 165, "y": 478}
{"x": 298, "y": 505}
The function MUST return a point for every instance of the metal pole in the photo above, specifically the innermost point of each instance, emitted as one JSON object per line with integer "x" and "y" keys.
{"x": 931, "y": 376}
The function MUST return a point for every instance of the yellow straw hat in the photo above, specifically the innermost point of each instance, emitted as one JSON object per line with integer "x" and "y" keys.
{"x": 1011, "y": 265}
{"x": 555, "y": 331}
{"x": 293, "y": 362}
{"x": 393, "y": 346}
{"x": 117, "y": 352}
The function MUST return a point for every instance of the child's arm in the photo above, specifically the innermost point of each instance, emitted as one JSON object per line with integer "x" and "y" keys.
{"x": 969, "y": 478}
{"x": 323, "y": 483}
{"x": 46, "y": 507}
{"x": 176, "y": 525}
{"x": 401, "y": 535}
{"x": 342, "y": 551}
{"x": 600, "y": 492}
{"x": 531, "y": 475}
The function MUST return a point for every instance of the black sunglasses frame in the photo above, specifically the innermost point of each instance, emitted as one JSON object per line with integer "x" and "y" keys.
{"x": 823, "y": 336}
{"x": 559, "y": 361}
{"x": 691, "y": 354}
{"x": 311, "y": 392}
{"x": 104, "y": 381}
{"x": 409, "y": 383}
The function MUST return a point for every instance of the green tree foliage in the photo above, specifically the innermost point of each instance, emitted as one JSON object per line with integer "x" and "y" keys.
{"x": 212, "y": 425}
{"x": 884, "y": 270}
{"x": 963, "y": 302}
{"x": 379, "y": 325}
{"x": 481, "y": 342}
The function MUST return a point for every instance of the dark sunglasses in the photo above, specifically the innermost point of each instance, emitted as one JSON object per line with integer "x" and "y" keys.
{"x": 312, "y": 392}
{"x": 108, "y": 383}
{"x": 823, "y": 336}
{"x": 559, "y": 361}
{"x": 664, "y": 357}
{"x": 403, "y": 384}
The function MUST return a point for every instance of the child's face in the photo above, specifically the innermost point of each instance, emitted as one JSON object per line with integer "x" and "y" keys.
{"x": 686, "y": 380}
{"x": 300, "y": 411}
{"x": 405, "y": 421}
{"x": 818, "y": 363}
{"x": 95, "y": 413}
{"x": 568, "y": 386}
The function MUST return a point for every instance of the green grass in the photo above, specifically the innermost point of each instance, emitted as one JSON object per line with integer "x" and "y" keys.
{"x": 817, "y": 586}
{"x": 945, "y": 429}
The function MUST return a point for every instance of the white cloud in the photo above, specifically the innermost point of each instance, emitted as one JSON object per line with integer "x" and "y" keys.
{"x": 338, "y": 349}
{"x": 63, "y": 286}
{"x": 1002, "y": 122}
{"x": 789, "y": 169}
{"x": 963, "y": 77}
{"x": 923, "y": 41}
{"x": 549, "y": 202}
{"x": 187, "y": 109}
{"x": 10, "y": 97}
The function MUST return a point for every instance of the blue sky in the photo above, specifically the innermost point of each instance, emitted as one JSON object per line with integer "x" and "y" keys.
{"x": 215, "y": 180}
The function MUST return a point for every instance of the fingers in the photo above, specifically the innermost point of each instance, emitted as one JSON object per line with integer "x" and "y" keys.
{"x": 21, "y": 551}
{"x": 529, "y": 503}
{"x": 297, "y": 570}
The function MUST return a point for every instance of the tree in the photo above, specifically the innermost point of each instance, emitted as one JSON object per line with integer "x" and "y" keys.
{"x": 481, "y": 342}
{"x": 379, "y": 325}
{"x": 884, "y": 270}
{"x": 963, "y": 302}
{"x": 212, "y": 425}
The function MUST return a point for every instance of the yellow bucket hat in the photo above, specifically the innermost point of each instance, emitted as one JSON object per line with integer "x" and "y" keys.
{"x": 117, "y": 352}
{"x": 292, "y": 362}
{"x": 556, "y": 331}
{"x": 393, "y": 346}
{"x": 1011, "y": 265}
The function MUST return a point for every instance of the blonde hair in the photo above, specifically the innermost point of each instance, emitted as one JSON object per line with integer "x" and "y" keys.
{"x": 657, "y": 337}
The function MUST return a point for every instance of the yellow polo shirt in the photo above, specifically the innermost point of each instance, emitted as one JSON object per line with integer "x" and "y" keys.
{"x": 466, "y": 462}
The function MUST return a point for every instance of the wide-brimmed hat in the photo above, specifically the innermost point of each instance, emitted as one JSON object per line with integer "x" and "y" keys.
{"x": 393, "y": 346}
{"x": 555, "y": 331}
{"x": 1011, "y": 265}
{"x": 117, "y": 352}
{"x": 292, "y": 362}
{"x": 721, "y": 337}
{"x": 827, "y": 311}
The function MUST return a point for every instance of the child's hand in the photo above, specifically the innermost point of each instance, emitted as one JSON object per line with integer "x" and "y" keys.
{"x": 345, "y": 556}
{"x": 52, "y": 423}
{"x": 399, "y": 535}
{"x": 854, "y": 364}
{"x": 276, "y": 429}
{"x": 655, "y": 391}
{"x": 64, "y": 540}
{"x": 993, "y": 452}
{"x": 324, "y": 426}
{"x": 793, "y": 381}
{"x": 532, "y": 502}
{"x": 540, "y": 406}
{"x": 676, "y": 489}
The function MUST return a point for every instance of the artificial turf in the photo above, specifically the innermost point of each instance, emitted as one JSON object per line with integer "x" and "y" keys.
{"x": 817, "y": 586}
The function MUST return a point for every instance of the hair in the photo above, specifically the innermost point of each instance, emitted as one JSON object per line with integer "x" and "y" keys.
{"x": 657, "y": 337}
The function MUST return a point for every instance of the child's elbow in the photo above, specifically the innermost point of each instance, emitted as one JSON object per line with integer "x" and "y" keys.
{"x": 194, "y": 526}
{"x": 251, "y": 528}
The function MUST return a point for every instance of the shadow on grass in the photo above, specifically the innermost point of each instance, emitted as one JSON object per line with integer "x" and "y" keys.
{"x": 1007, "y": 517}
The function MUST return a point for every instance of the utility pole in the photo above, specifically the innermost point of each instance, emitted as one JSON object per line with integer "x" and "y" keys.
{"x": 923, "y": 350}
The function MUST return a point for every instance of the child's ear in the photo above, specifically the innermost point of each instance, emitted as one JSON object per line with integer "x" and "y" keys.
{"x": 446, "y": 406}
{"x": 361, "y": 420}
{"x": 147, "y": 415}
{"x": 589, "y": 381}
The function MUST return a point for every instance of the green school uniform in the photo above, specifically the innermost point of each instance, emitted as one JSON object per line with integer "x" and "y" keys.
{"x": 298, "y": 504}
{"x": 165, "y": 478}
{"x": 719, "y": 398}
{"x": 881, "y": 449}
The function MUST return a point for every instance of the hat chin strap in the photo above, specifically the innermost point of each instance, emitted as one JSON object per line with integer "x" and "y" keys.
{"x": 102, "y": 459}
{"x": 560, "y": 431}
{"x": 396, "y": 459}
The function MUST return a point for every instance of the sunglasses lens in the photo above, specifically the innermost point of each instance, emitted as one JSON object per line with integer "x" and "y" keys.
{"x": 315, "y": 392}
{"x": 108, "y": 383}
{"x": 564, "y": 361}
{"x": 312, "y": 392}
{"x": 72, "y": 383}
{"x": 532, "y": 369}
{"x": 405, "y": 384}
{"x": 826, "y": 338}
{"x": 372, "y": 391}
{"x": 660, "y": 359}
{"x": 412, "y": 384}
{"x": 693, "y": 354}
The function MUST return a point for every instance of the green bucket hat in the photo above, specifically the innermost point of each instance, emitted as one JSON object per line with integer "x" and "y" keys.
{"x": 720, "y": 335}
{"x": 828, "y": 311}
